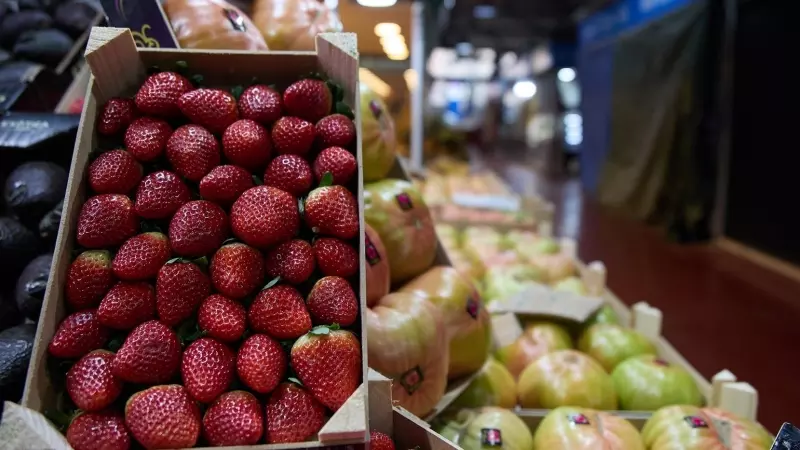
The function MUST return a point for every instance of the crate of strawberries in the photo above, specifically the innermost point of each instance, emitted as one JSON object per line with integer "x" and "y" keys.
{"x": 207, "y": 285}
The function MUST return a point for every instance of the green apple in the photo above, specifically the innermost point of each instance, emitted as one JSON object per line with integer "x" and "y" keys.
{"x": 611, "y": 344}
{"x": 647, "y": 383}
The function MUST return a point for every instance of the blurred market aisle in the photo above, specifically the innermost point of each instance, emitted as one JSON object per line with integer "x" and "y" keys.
{"x": 719, "y": 311}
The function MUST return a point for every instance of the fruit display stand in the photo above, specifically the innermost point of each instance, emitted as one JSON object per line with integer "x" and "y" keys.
{"x": 117, "y": 66}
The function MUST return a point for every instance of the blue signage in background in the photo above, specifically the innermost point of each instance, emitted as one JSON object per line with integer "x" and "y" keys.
{"x": 623, "y": 16}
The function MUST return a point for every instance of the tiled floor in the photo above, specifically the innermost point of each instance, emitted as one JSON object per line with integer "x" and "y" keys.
{"x": 720, "y": 312}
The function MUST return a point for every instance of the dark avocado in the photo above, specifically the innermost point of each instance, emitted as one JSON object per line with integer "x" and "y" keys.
{"x": 48, "y": 226}
{"x": 31, "y": 286}
{"x": 18, "y": 246}
{"x": 33, "y": 189}
{"x": 14, "y": 24}
{"x": 16, "y": 345}
{"x": 75, "y": 16}
{"x": 48, "y": 46}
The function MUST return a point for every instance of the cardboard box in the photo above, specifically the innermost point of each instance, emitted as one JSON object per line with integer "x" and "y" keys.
{"x": 146, "y": 19}
{"x": 118, "y": 67}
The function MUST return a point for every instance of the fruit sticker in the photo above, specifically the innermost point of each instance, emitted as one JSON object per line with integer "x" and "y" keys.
{"x": 412, "y": 379}
{"x": 373, "y": 257}
{"x": 578, "y": 419}
{"x": 661, "y": 362}
{"x": 696, "y": 422}
{"x": 404, "y": 201}
{"x": 491, "y": 437}
{"x": 473, "y": 307}
{"x": 376, "y": 109}
{"x": 237, "y": 21}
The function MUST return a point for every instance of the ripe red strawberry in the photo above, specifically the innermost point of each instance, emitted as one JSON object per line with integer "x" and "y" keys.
{"x": 224, "y": 184}
{"x": 246, "y": 143}
{"x": 235, "y": 418}
{"x": 207, "y": 369}
{"x": 115, "y": 116}
{"x": 237, "y": 270}
{"x": 222, "y": 318}
{"x": 78, "y": 334}
{"x": 292, "y": 135}
{"x": 151, "y": 354}
{"x": 290, "y": 173}
{"x": 127, "y": 305}
{"x": 328, "y": 362}
{"x": 88, "y": 279}
{"x": 293, "y": 415}
{"x": 261, "y": 103}
{"x": 114, "y": 172}
{"x": 160, "y": 92}
{"x": 336, "y": 130}
{"x": 264, "y": 216}
{"x": 335, "y": 257}
{"x": 163, "y": 417}
{"x": 279, "y": 312}
{"x": 332, "y": 300}
{"x": 380, "y": 441}
{"x": 106, "y": 220}
{"x": 308, "y": 99}
{"x": 160, "y": 194}
{"x": 198, "y": 228}
{"x": 99, "y": 430}
{"x": 338, "y": 162}
{"x": 90, "y": 384}
{"x": 261, "y": 363}
{"x": 332, "y": 211}
{"x": 214, "y": 109}
{"x": 193, "y": 151}
{"x": 293, "y": 261}
{"x": 180, "y": 288}
{"x": 140, "y": 257}
{"x": 146, "y": 138}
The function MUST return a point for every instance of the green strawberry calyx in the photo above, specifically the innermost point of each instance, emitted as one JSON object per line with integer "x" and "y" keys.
{"x": 326, "y": 180}
{"x": 237, "y": 91}
{"x": 272, "y": 283}
{"x": 295, "y": 381}
{"x": 323, "y": 330}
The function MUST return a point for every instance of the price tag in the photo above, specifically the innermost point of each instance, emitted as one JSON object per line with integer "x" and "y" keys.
{"x": 540, "y": 300}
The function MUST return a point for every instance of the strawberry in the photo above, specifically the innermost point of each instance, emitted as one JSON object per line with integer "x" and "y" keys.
{"x": 328, "y": 362}
{"x": 290, "y": 173}
{"x": 332, "y": 211}
{"x": 146, "y": 138}
{"x": 339, "y": 162}
{"x": 151, "y": 354}
{"x": 160, "y": 92}
{"x": 237, "y": 270}
{"x": 116, "y": 115}
{"x": 246, "y": 143}
{"x": 140, "y": 257}
{"x": 114, "y": 172}
{"x": 163, "y": 417}
{"x": 88, "y": 279}
{"x": 279, "y": 312}
{"x": 308, "y": 99}
{"x": 90, "y": 384}
{"x": 332, "y": 300}
{"x": 222, "y": 318}
{"x": 235, "y": 418}
{"x": 261, "y": 103}
{"x": 380, "y": 441}
{"x": 160, "y": 194}
{"x": 335, "y": 257}
{"x": 198, "y": 228}
{"x": 78, "y": 334}
{"x": 106, "y": 220}
{"x": 293, "y": 415}
{"x": 336, "y": 130}
{"x": 193, "y": 152}
{"x": 261, "y": 363}
{"x": 292, "y": 135}
{"x": 207, "y": 369}
{"x": 224, "y": 184}
{"x": 264, "y": 216}
{"x": 127, "y": 305}
{"x": 180, "y": 288}
{"x": 214, "y": 109}
{"x": 104, "y": 430}
{"x": 293, "y": 261}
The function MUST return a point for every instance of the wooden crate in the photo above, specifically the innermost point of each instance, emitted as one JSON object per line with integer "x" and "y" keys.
{"x": 117, "y": 68}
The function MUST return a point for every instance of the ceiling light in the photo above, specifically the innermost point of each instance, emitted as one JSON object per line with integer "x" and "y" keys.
{"x": 394, "y": 47}
{"x": 396, "y": 39}
{"x": 524, "y": 89}
{"x": 399, "y": 56}
{"x": 410, "y": 75}
{"x": 374, "y": 82}
{"x": 385, "y": 29}
{"x": 377, "y": 3}
{"x": 567, "y": 74}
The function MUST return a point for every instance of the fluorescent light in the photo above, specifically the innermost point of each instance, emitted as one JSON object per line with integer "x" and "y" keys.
{"x": 524, "y": 89}
{"x": 377, "y": 3}
{"x": 400, "y": 56}
{"x": 410, "y": 75}
{"x": 394, "y": 47}
{"x": 395, "y": 39}
{"x": 385, "y": 29}
{"x": 374, "y": 82}
{"x": 567, "y": 74}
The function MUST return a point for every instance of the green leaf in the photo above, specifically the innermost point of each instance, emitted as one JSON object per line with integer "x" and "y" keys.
{"x": 327, "y": 180}
{"x": 343, "y": 109}
{"x": 272, "y": 283}
{"x": 337, "y": 93}
{"x": 295, "y": 381}
{"x": 196, "y": 79}
{"x": 237, "y": 91}
{"x": 324, "y": 329}
{"x": 148, "y": 227}
{"x": 257, "y": 180}
{"x": 182, "y": 68}
{"x": 115, "y": 343}
{"x": 174, "y": 260}
{"x": 202, "y": 262}
{"x": 301, "y": 206}
{"x": 315, "y": 76}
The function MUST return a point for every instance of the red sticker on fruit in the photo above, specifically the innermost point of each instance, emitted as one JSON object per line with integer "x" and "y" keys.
{"x": 411, "y": 380}
{"x": 371, "y": 253}
{"x": 404, "y": 201}
{"x": 236, "y": 20}
{"x": 578, "y": 419}
{"x": 661, "y": 362}
{"x": 696, "y": 422}
{"x": 491, "y": 437}
{"x": 473, "y": 307}
{"x": 376, "y": 109}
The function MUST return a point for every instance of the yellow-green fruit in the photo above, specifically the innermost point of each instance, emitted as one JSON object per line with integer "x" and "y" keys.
{"x": 492, "y": 386}
{"x": 537, "y": 339}
{"x": 647, "y": 383}
{"x": 574, "y": 428}
{"x": 378, "y": 139}
{"x": 611, "y": 344}
{"x": 687, "y": 427}
{"x": 487, "y": 428}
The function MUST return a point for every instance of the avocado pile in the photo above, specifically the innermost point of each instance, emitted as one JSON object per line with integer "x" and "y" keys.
{"x": 30, "y": 213}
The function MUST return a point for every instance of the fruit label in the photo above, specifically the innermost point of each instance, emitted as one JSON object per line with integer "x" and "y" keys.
{"x": 661, "y": 362}
{"x": 376, "y": 109}
{"x": 373, "y": 257}
{"x": 404, "y": 201}
{"x": 491, "y": 437}
{"x": 236, "y": 19}
{"x": 473, "y": 307}
{"x": 412, "y": 380}
{"x": 578, "y": 419}
{"x": 696, "y": 422}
